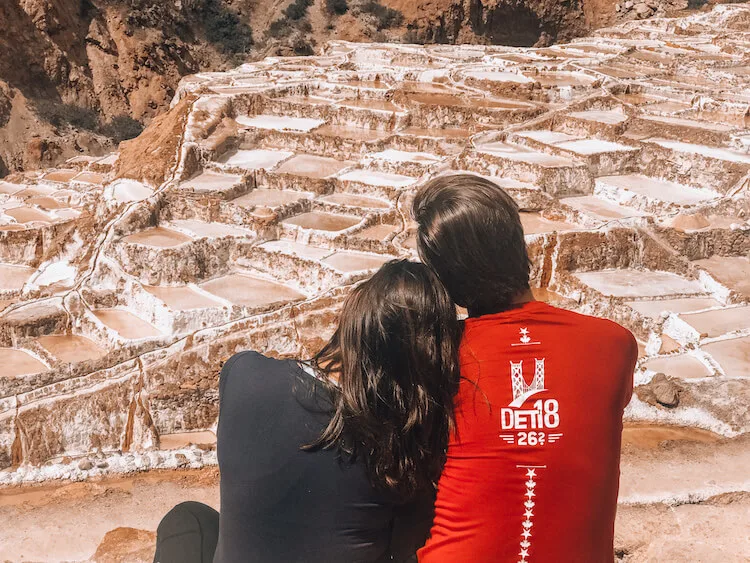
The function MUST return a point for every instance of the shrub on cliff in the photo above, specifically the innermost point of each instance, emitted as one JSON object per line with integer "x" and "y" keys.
{"x": 337, "y": 7}
{"x": 224, "y": 27}
{"x": 385, "y": 17}
{"x": 297, "y": 9}
{"x": 121, "y": 128}
{"x": 64, "y": 115}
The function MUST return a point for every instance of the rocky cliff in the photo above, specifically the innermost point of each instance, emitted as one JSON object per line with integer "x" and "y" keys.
{"x": 78, "y": 76}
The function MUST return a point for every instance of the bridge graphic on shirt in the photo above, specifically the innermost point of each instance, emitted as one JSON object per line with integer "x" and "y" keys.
{"x": 521, "y": 389}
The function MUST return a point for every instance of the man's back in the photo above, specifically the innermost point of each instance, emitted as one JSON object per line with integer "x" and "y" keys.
{"x": 532, "y": 472}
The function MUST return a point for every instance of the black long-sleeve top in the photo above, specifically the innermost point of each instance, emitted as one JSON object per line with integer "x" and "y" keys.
{"x": 282, "y": 504}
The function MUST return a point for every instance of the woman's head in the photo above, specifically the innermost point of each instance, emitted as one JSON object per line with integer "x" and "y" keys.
{"x": 395, "y": 354}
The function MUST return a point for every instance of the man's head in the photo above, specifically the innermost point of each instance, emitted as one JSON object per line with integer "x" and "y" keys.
{"x": 470, "y": 233}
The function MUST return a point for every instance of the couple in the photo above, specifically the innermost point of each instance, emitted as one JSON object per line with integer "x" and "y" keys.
{"x": 498, "y": 441}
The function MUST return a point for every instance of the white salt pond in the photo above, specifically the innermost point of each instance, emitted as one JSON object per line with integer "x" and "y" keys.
{"x": 249, "y": 291}
{"x": 638, "y": 283}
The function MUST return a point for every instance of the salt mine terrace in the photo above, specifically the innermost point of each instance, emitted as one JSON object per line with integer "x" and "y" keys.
{"x": 293, "y": 179}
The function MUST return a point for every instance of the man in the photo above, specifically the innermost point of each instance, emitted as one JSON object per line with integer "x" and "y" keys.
{"x": 533, "y": 466}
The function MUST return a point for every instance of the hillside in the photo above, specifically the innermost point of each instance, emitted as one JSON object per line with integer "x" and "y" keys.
{"x": 82, "y": 75}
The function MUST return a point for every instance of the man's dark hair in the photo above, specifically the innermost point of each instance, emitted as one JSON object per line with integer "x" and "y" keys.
{"x": 470, "y": 233}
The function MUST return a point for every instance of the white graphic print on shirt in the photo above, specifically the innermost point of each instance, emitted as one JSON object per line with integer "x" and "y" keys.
{"x": 530, "y": 425}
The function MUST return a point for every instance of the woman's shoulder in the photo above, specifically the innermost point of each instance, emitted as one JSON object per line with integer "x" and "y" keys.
{"x": 249, "y": 368}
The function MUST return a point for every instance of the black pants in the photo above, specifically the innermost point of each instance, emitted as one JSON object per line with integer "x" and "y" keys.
{"x": 187, "y": 534}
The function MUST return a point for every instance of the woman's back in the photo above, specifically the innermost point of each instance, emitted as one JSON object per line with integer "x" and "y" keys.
{"x": 279, "y": 503}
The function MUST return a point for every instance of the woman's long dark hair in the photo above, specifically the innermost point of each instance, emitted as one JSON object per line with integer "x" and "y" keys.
{"x": 395, "y": 354}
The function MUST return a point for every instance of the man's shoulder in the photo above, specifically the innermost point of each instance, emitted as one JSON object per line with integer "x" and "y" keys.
{"x": 610, "y": 337}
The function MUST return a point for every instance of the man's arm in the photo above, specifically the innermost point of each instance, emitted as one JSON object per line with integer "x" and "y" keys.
{"x": 631, "y": 360}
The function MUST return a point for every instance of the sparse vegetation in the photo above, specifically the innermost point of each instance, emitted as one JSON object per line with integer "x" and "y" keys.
{"x": 410, "y": 36}
{"x": 384, "y": 16}
{"x": 696, "y": 4}
{"x": 302, "y": 47}
{"x": 224, "y": 27}
{"x": 337, "y": 7}
{"x": 293, "y": 18}
{"x": 279, "y": 28}
{"x": 64, "y": 115}
{"x": 121, "y": 128}
{"x": 297, "y": 9}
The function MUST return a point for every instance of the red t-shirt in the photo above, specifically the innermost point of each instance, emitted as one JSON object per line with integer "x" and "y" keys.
{"x": 533, "y": 468}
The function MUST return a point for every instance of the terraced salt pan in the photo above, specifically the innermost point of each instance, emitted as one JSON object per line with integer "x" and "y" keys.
{"x": 270, "y": 198}
{"x": 348, "y": 261}
{"x": 280, "y": 123}
{"x": 703, "y": 150}
{"x": 683, "y": 366}
{"x": 600, "y": 208}
{"x": 355, "y": 200}
{"x": 10, "y": 189}
{"x": 71, "y": 348}
{"x": 514, "y": 152}
{"x": 690, "y": 123}
{"x": 18, "y": 362}
{"x": 45, "y": 202}
{"x": 534, "y": 223}
{"x": 650, "y": 437}
{"x": 60, "y": 175}
{"x": 181, "y": 440}
{"x": 255, "y": 159}
{"x": 639, "y": 283}
{"x": 499, "y": 76}
{"x": 124, "y": 191}
{"x": 594, "y": 146}
{"x": 108, "y": 160}
{"x": 653, "y": 189}
{"x": 182, "y": 298}
{"x": 394, "y": 155}
{"x": 719, "y": 321}
{"x": 312, "y": 166}
{"x": 447, "y": 133}
{"x": 126, "y": 324}
{"x": 612, "y": 117}
{"x": 88, "y": 177}
{"x": 249, "y": 291}
{"x": 26, "y": 214}
{"x": 320, "y": 221}
{"x": 13, "y": 277}
{"x": 158, "y": 237}
{"x": 733, "y": 355}
{"x": 353, "y": 133}
{"x": 702, "y": 472}
{"x": 294, "y": 248}
{"x": 201, "y": 229}
{"x": 561, "y": 79}
{"x": 655, "y": 308}
{"x": 379, "y": 179}
{"x": 374, "y": 105}
{"x": 212, "y": 182}
{"x": 732, "y": 271}
{"x": 547, "y": 137}
{"x": 378, "y": 232}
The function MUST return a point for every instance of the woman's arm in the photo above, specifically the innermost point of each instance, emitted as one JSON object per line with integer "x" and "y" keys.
{"x": 411, "y": 527}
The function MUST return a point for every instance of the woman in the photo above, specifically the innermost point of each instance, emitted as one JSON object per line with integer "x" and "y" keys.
{"x": 337, "y": 459}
